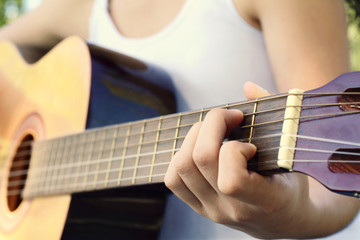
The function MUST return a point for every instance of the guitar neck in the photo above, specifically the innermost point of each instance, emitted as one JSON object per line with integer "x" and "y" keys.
{"x": 139, "y": 152}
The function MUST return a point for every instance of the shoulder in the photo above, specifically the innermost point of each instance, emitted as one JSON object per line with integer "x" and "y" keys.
{"x": 306, "y": 40}
{"x": 256, "y": 12}
{"x": 66, "y": 17}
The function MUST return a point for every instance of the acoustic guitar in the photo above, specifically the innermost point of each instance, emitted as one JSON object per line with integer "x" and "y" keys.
{"x": 47, "y": 156}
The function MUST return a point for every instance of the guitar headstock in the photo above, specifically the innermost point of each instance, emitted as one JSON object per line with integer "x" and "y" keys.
{"x": 328, "y": 139}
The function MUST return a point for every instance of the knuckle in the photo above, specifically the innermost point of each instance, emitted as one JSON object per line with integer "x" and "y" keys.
{"x": 232, "y": 187}
{"x": 228, "y": 188}
{"x": 182, "y": 166}
{"x": 202, "y": 157}
{"x": 218, "y": 218}
{"x": 201, "y": 211}
{"x": 242, "y": 217}
{"x": 270, "y": 207}
{"x": 215, "y": 216}
{"x": 171, "y": 182}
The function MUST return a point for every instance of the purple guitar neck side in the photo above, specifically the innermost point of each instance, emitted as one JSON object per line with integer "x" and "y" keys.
{"x": 344, "y": 128}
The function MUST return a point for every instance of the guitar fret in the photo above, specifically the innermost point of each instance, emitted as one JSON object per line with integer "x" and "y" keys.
{"x": 100, "y": 154}
{"x": 138, "y": 152}
{"x": 124, "y": 153}
{"x": 155, "y": 150}
{"x": 57, "y": 162}
{"x": 56, "y": 170}
{"x": 48, "y": 163}
{"x": 69, "y": 162}
{"x": 44, "y": 163}
{"x": 87, "y": 166}
{"x": 253, "y": 121}
{"x": 176, "y": 134}
{"x": 112, "y": 151}
{"x": 65, "y": 158}
{"x": 201, "y": 115}
{"x": 79, "y": 158}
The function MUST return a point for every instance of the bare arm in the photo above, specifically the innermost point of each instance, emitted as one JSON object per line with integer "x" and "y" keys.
{"x": 46, "y": 25}
{"x": 306, "y": 40}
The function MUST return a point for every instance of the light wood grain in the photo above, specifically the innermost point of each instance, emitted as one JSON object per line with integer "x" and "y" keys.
{"x": 54, "y": 91}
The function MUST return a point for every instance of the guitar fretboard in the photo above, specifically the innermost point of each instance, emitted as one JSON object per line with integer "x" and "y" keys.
{"x": 139, "y": 152}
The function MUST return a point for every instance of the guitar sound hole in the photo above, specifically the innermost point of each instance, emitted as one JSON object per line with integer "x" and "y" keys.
{"x": 18, "y": 173}
{"x": 345, "y": 161}
{"x": 352, "y": 99}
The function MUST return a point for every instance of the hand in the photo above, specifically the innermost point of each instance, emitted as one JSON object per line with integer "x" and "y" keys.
{"x": 212, "y": 178}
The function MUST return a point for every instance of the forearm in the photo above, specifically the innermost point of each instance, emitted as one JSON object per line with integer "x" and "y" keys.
{"x": 332, "y": 211}
{"x": 27, "y": 30}
{"x": 309, "y": 213}
{"x": 321, "y": 213}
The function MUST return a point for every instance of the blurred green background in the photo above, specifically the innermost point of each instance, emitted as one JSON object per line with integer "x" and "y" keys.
{"x": 11, "y": 9}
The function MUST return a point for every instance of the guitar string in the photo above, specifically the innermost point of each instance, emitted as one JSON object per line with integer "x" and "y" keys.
{"x": 70, "y": 176}
{"x": 106, "y": 183}
{"x": 71, "y": 164}
{"x": 15, "y": 173}
{"x": 65, "y": 176}
{"x": 172, "y": 139}
{"x": 266, "y": 111}
{"x": 110, "y": 181}
{"x": 258, "y": 112}
{"x": 246, "y": 115}
{"x": 105, "y": 160}
{"x": 23, "y": 172}
{"x": 18, "y": 154}
{"x": 162, "y": 118}
{"x": 303, "y": 106}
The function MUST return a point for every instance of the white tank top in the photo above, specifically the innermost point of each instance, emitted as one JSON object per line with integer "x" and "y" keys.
{"x": 208, "y": 50}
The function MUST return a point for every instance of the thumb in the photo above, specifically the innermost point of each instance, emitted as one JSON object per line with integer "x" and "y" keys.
{"x": 252, "y": 91}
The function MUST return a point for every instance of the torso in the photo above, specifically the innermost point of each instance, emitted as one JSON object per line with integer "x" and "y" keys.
{"x": 209, "y": 57}
{"x": 204, "y": 42}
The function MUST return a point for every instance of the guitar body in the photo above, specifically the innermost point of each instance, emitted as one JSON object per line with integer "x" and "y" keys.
{"x": 73, "y": 87}
{"x": 45, "y": 105}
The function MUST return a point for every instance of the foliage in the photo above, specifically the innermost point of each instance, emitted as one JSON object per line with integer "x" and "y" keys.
{"x": 9, "y": 10}
{"x": 353, "y": 11}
